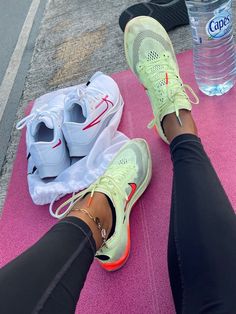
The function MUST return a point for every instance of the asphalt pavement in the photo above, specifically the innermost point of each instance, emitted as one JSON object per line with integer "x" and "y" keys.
{"x": 19, "y": 26}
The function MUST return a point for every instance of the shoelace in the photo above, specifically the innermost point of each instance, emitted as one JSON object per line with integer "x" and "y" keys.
{"x": 107, "y": 180}
{"x": 90, "y": 96}
{"x": 111, "y": 182}
{"x": 37, "y": 114}
{"x": 157, "y": 74}
{"x": 83, "y": 94}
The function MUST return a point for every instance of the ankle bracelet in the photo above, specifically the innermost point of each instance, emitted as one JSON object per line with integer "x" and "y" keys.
{"x": 97, "y": 222}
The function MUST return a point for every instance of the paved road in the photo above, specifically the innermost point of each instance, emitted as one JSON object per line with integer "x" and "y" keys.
{"x": 19, "y": 23}
{"x": 12, "y": 17}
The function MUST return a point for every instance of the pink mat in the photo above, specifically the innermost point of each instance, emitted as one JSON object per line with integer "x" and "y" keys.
{"x": 142, "y": 286}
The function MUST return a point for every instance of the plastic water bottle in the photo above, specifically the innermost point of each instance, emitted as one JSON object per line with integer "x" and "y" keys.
{"x": 213, "y": 45}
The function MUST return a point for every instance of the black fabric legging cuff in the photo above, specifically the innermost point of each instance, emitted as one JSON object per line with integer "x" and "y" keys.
{"x": 49, "y": 276}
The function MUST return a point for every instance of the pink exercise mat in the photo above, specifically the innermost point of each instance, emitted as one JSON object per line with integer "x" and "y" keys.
{"x": 142, "y": 286}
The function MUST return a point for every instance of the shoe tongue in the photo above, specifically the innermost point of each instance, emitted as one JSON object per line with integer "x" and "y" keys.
{"x": 35, "y": 124}
{"x": 92, "y": 94}
{"x": 76, "y": 99}
{"x": 85, "y": 108}
{"x": 86, "y": 102}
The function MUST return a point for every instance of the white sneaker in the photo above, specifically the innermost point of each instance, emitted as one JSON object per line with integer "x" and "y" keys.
{"x": 88, "y": 111}
{"x": 46, "y": 149}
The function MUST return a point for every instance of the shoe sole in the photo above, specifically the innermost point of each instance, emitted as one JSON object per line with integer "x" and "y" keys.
{"x": 52, "y": 170}
{"x": 170, "y": 15}
{"x": 122, "y": 260}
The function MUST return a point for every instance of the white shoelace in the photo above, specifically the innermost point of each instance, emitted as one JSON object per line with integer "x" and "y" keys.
{"x": 159, "y": 73}
{"x": 107, "y": 180}
{"x": 37, "y": 114}
{"x": 90, "y": 96}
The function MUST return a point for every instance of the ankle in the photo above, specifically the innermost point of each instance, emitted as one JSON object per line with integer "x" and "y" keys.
{"x": 98, "y": 207}
{"x": 173, "y": 128}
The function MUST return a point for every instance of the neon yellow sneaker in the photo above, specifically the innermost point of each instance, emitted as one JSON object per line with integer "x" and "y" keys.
{"x": 150, "y": 55}
{"x": 125, "y": 180}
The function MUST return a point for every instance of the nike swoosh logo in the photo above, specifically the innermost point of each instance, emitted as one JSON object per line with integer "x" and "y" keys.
{"x": 58, "y": 144}
{"x": 133, "y": 190}
{"x": 96, "y": 120}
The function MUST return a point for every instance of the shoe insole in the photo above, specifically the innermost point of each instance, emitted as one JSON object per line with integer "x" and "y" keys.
{"x": 76, "y": 114}
{"x": 169, "y": 13}
{"x": 44, "y": 134}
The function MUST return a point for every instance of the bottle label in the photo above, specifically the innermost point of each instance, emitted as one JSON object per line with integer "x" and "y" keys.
{"x": 219, "y": 25}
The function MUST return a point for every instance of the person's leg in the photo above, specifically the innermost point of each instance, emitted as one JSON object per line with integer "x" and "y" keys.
{"x": 201, "y": 251}
{"x": 49, "y": 276}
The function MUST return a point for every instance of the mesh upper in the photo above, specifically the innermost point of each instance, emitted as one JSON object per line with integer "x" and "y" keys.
{"x": 152, "y": 54}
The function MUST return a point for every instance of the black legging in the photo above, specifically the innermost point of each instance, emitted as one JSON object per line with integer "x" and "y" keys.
{"x": 202, "y": 237}
{"x": 49, "y": 276}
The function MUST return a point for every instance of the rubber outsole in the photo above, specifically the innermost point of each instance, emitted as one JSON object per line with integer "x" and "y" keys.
{"x": 170, "y": 14}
